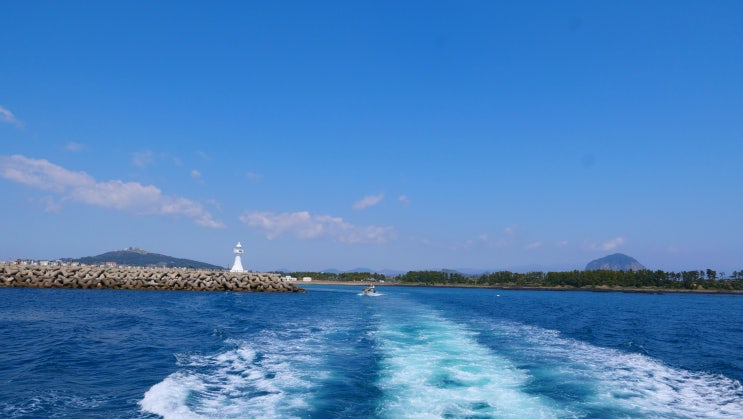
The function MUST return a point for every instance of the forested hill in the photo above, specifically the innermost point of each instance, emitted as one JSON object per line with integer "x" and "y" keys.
{"x": 139, "y": 257}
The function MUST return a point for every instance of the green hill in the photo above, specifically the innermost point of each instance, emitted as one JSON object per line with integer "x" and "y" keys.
{"x": 139, "y": 257}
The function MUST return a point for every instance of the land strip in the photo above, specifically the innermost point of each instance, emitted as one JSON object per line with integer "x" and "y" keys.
{"x": 588, "y": 288}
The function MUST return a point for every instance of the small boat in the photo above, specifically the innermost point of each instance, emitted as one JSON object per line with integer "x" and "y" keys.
{"x": 370, "y": 291}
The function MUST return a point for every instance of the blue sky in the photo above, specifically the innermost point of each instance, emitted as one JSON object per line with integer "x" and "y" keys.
{"x": 388, "y": 135}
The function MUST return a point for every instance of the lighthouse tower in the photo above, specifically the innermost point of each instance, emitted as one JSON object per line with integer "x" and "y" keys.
{"x": 238, "y": 265}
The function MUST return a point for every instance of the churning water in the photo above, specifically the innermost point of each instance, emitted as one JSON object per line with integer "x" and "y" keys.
{"x": 410, "y": 353}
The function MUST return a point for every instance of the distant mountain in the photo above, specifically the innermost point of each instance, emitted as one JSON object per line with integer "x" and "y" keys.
{"x": 386, "y": 272}
{"x": 522, "y": 269}
{"x": 390, "y": 273}
{"x": 139, "y": 257}
{"x": 615, "y": 262}
{"x": 360, "y": 270}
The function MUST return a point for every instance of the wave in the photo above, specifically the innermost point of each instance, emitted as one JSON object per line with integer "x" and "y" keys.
{"x": 592, "y": 380}
{"x": 41, "y": 404}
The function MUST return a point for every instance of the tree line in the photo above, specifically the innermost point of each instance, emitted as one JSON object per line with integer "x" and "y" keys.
{"x": 341, "y": 277}
{"x": 688, "y": 280}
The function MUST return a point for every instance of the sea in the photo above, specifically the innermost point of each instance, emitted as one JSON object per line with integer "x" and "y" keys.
{"x": 410, "y": 352}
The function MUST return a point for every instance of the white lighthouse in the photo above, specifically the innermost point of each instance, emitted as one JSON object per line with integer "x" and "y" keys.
{"x": 238, "y": 265}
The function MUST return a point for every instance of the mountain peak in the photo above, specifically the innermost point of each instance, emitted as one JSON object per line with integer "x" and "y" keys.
{"x": 136, "y": 250}
{"x": 615, "y": 262}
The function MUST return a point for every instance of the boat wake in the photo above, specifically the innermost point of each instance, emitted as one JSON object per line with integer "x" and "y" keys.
{"x": 608, "y": 382}
{"x": 432, "y": 367}
{"x": 390, "y": 359}
{"x": 271, "y": 375}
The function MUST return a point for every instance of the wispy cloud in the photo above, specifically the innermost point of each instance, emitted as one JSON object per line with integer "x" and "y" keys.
{"x": 486, "y": 239}
{"x": 404, "y": 200}
{"x": 304, "y": 225}
{"x": 608, "y": 245}
{"x": 216, "y": 204}
{"x": 368, "y": 201}
{"x": 143, "y": 158}
{"x": 73, "y": 186}
{"x": 51, "y": 204}
{"x": 533, "y": 245}
{"x": 255, "y": 177}
{"x": 8, "y": 117}
{"x": 612, "y": 244}
{"x": 197, "y": 175}
{"x": 74, "y": 147}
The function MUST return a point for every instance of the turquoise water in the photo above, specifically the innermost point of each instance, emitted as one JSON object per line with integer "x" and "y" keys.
{"x": 412, "y": 352}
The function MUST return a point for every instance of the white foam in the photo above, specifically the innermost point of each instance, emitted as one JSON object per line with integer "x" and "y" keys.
{"x": 629, "y": 382}
{"x": 434, "y": 368}
{"x": 168, "y": 397}
{"x": 39, "y": 405}
{"x": 267, "y": 377}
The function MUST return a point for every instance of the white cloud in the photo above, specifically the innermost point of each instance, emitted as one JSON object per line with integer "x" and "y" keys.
{"x": 562, "y": 243}
{"x": 196, "y": 175}
{"x": 7, "y": 116}
{"x": 254, "y": 176}
{"x": 612, "y": 244}
{"x": 533, "y": 245}
{"x": 368, "y": 201}
{"x": 216, "y": 204}
{"x": 143, "y": 158}
{"x": 608, "y": 245}
{"x": 489, "y": 241}
{"x": 306, "y": 226}
{"x": 404, "y": 200}
{"x": 51, "y": 205}
{"x": 130, "y": 197}
{"x": 73, "y": 146}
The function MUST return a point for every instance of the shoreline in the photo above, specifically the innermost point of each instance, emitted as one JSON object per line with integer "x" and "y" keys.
{"x": 526, "y": 288}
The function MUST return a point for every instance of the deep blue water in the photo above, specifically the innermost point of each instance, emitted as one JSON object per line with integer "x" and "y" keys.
{"x": 411, "y": 352}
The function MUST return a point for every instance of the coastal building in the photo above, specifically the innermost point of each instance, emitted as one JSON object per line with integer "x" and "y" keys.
{"x": 238, "y": 265}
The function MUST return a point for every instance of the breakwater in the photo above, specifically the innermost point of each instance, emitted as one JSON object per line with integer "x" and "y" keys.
{"x": 133, "y": 278}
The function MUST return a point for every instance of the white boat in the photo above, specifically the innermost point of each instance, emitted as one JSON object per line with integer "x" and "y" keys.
{"x": 370, "y": 291}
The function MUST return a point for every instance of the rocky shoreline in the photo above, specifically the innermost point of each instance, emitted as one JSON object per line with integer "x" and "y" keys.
{"x": 96, "y": 277}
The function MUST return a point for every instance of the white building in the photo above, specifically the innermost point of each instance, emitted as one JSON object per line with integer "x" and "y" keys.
{"x": 238, "y": 265}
